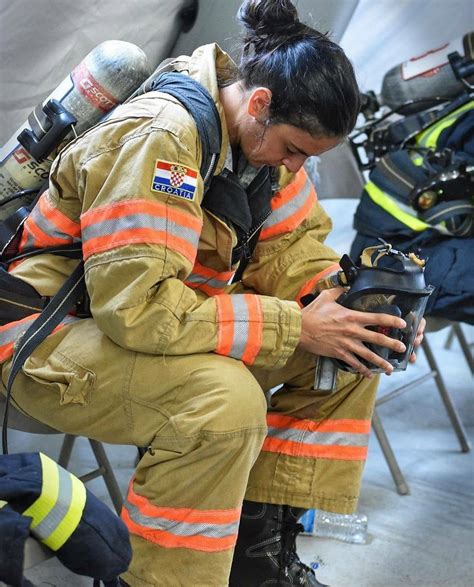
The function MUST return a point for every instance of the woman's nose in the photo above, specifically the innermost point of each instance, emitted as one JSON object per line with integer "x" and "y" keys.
{"x": 294, "y": 162}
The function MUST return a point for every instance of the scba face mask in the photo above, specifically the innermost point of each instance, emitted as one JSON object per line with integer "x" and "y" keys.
{"x": 386, "y": 281}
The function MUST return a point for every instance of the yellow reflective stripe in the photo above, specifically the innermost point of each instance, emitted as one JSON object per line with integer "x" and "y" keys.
{"x": 2, "y": 503}
{"x": 58, "y": 510}
{"x": 392, "y": 207}
{"x": 429, "y": 137}
{"x": 71, "y": 518}
{"x": 40, "y": 508}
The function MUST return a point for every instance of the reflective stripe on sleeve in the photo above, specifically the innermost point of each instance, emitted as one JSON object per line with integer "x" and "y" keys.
{"x": 240, "y": 326}
{"x": 339, "y": 439}
{"x": 140, "y": 221}
{"x": 403, "y": 213}
{"x": 429, "y": 137}
{"x": 47, "y": 226}
{"x": 11, "y": 332}
{"x": 205, "y": 530}
{"x": 58, "y": 510}
{"x": 308, "y": 287}
{"x": 208, "y": 280}
{"x": 290, "y": 206}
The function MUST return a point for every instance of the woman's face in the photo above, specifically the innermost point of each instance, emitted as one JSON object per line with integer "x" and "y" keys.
{"x": 281, "y": 144}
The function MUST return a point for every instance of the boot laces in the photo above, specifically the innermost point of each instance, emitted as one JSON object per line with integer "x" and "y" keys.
{"x": 288, "y": 555}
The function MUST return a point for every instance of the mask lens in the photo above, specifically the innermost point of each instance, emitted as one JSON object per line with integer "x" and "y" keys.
{"x": 403, "y": 305}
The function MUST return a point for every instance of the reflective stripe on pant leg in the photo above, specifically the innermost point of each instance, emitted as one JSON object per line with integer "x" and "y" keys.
{"x": 316, "y": 447}
{"x": 206, "y": 418}
{"x": 205, "y": 530}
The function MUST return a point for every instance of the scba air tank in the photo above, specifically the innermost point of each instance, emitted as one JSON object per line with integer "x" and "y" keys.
{"x": 104, "y": 78}
{"x": 426, "y": 76}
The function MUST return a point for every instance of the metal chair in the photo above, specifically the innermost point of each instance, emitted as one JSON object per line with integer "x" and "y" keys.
{"x": 434, "y": 373}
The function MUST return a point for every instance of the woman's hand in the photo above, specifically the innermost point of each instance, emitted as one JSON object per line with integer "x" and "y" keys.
{"x": 331, "y": 330}
{"x": 418, "y": 339}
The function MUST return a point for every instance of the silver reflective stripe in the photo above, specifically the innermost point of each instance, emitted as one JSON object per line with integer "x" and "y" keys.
{"x": 49, "y": 228}
{"x": 10, "y": 334}
{"x": 212, "y": 282}
{"x": 292, "y": 206}
{"x": 56, "y": 515}
{"x": 241, "y": 326}
{"x": 135, "y": 221}
{"x": 181, "y": 528}
{"x": 327, "y": 438}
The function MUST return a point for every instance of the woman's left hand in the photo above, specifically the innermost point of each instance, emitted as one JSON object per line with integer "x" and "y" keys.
{"x": 418, "y": 339}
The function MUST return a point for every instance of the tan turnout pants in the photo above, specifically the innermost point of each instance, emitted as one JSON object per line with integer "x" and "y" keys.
{"x": 204, "y": 419}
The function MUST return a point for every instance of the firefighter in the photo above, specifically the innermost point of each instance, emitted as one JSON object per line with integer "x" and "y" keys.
{"x": 175, "y": 359}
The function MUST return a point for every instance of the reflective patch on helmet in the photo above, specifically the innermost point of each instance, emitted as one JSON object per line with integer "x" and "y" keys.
{"x": 174, "y": 179}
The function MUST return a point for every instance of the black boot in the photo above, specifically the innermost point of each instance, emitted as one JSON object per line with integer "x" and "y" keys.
{"x": 265, "y": 553}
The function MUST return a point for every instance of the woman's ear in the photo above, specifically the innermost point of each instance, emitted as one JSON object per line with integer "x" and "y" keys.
{"x": 259, "y": 104}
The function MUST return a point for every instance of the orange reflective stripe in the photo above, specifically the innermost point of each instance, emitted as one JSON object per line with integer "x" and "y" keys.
{"x": 225, "y": 319}
{"x": 290, "y": 191}
{"x": 240, "y": 326}
{"x": 208, "y": 280}
{"x": 140, "y": 221}
{"x": 290, "y": 206}
{"x": 56, "y": 217}
{"x": 342, "y": 438}
{"x": 158, "y": 209}
{"x": 170, "y": 540}
{"x": 205, "y": 530}
{"x": 11, "y": 332}
{"x": 337, "y": 425}
{"x": 315, "y": 451}
{"x": 215, "y": 516}
{"x": 308, "y": 287}
{"x": 255, "y": 334}
{"x": 47, "y": 226}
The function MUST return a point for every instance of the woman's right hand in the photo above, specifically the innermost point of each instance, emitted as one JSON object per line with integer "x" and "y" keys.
{"x": 331, "y": 330}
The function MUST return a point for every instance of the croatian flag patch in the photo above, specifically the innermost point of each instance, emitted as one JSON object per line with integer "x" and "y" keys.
{"x": 174, "y": 179}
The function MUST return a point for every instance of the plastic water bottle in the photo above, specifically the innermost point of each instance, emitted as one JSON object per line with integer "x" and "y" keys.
{"x": 346, "y": 527}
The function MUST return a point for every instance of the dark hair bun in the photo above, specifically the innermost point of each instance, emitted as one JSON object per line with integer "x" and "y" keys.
{"x": 267, "y": 21}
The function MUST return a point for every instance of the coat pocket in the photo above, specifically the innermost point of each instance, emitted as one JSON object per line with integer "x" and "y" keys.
{"x": 73, "y": 383}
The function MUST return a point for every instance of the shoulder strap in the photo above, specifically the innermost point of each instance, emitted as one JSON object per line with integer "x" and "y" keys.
{"x": 199, "y": 103}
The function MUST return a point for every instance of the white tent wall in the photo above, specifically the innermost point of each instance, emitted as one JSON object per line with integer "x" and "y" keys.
{"x": 216, "y": 22}
{"x": 41, "y": 41}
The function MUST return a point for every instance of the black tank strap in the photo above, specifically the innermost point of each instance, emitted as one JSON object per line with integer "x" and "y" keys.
{"x": 199, "y": 103}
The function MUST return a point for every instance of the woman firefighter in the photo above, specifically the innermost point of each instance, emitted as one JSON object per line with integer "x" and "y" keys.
{"x": 178, "y": 355}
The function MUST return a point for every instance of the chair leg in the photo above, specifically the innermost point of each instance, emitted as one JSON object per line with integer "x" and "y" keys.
{"x": 449, "y": 340}
{"x": 66, "y": 450}
{"x": 465, "y": 346}
{"x": 108, "y": 474}
{"x": 448, "y": 402}
{"x": 105, "y": 468}
{"x": 399, "y": 479}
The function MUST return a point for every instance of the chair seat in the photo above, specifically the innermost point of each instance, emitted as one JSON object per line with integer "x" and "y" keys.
{"x": 18, "y": 421}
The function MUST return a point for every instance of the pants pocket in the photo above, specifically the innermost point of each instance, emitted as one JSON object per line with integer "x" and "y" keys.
{"x": 73, "y": 383}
